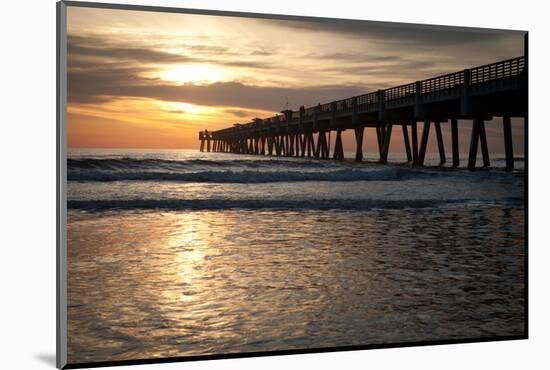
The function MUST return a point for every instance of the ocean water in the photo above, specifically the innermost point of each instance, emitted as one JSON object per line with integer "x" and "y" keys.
{"x": 181, "y": 253}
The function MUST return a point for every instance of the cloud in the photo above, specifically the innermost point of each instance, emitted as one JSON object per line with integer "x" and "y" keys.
{"x": 262, "y": 53}
{"x": 353, "y": 57}
{"x": 209, "y": 49}
{"x": 97, "y": 47}
{"x": 238, "y": 112}
{"x": 400, "y": 32}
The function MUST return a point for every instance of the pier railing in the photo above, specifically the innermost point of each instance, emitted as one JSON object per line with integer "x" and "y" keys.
{"x": 445, "y": 82}
{"x": 400, "y": 92}
{"x": 499, "y": 70}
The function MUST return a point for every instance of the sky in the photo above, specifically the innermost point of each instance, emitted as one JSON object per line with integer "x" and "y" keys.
{"x": 153, "y": 80}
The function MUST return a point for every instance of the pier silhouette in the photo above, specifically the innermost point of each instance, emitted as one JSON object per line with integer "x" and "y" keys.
{"x": 476, "y": 94}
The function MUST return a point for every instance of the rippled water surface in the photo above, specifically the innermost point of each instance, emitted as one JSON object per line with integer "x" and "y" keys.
{"x": 175, "y": 254}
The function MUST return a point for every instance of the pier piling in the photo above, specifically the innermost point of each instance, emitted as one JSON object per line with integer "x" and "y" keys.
{"x": 386, "y": 140}
{"x": 424, "y": 142}
{"x": 454, "y": 140}
{"x": 484, "y": 147}
{"x": 338, "y": 147}
{"x": 440, "y": 145}
{"x": 406, "y": 142}
{"x": 508, "y": 148}
{"x": 359, "y": 131}
{"x": 414, "y": 139}
{"x": 472, "y": 157}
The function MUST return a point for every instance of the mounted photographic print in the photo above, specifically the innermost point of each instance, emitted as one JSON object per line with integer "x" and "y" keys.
{"x": 236, "y": 184}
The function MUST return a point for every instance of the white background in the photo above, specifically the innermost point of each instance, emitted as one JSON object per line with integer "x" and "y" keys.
{"x": 27, "y": 173}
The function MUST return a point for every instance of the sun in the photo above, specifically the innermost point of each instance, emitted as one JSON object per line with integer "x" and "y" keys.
{"x": 187, "y": 110}
{"x": 194, "y": 74}
{"x": 190, "y": 108}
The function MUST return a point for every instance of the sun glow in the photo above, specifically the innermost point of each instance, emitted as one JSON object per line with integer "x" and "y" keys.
{"x": 188, "y": 109}
{"x": 195, "y": 74}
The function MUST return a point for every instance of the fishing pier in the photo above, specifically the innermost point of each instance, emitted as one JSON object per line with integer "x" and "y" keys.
{"x": 476, "y": 95}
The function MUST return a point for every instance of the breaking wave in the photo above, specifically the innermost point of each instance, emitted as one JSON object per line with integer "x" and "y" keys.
{"x": 216, "y": 204}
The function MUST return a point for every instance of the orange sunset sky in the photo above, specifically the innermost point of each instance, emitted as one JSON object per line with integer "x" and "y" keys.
{"x": 152, "y": 80}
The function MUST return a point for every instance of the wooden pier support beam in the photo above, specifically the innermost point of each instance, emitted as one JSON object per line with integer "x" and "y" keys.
{"x": 407, "y": 143}
{"x": 277, "y": 145}
{"x": 321, "y": 144}
{"x": 484, "y": 147}
{"x": 440, "y": 145}
{"x": 323, "y": 149}
{"x": 310, "y": 144}
{"x": 380, "y": 140}
{"x": 414, "y": 139}
{"x": 424, "y": 142}
{"x": 338, "y": 147}
{"x": 290, "y": 141}
{"x": 386, "y": 143}
{"x": 317, "y": 147}
{"x": 290, "y": 144}
{"x": 262, "y": 145}
{"x": 508, "y": 147}
{"x": 326, "y": 152}
{"x": 454, "y": 141}
{"x": 474, "y": 139}
{"x": 328, "y": 144}
{"x": 359, "y": 131}
{"x": 303, "y": 145}
{"x": 202, "y": 145}
{"x": 270, "y": 143}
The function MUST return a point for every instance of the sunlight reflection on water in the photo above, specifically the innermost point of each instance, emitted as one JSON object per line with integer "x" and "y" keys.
{"x": 148, "y": 283}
